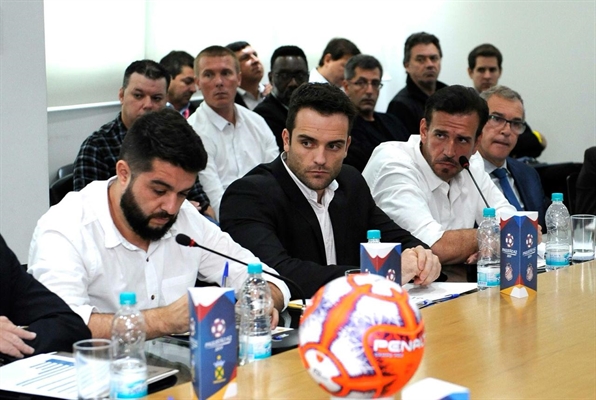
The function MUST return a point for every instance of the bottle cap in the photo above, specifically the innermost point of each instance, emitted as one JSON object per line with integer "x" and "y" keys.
{"x": 488, "y": 212}
{"x": 255, "y": 268}
{"x": 557, "y": 197}
{"x": 128, "y": 298}
{"x": 373, "y": 234}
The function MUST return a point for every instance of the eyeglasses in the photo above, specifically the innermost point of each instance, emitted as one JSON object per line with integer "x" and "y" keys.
{"x": 362, "y": 84}
{"x": 287, "y": 76}
{"x": 518, "y": 127}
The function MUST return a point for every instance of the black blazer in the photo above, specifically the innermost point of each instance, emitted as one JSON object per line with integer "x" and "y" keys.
{"x": 266, "y": 213}
{"x": 527, "y": 182}
{"x": 25, "y": 301}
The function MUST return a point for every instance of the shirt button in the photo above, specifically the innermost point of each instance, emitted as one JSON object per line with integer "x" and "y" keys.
{"x": 152, "y": 297}
{"x": 147, "y": 259}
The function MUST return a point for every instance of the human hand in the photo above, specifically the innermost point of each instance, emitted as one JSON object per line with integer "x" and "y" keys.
{"x": 177, "y": 315}
{"x": 473, "y": 258}
{"x": 11, "y": 339}
{"x": 423, "y": 266}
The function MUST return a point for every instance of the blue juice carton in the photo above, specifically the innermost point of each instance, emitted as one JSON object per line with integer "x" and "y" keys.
{"x": 381, "y": 259}
{"x": 519, "y": 255}
{"x": 213, "y": 342}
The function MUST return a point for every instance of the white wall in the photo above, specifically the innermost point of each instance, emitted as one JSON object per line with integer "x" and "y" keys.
{"x": 23, "y": 124}
{"x": 548, "y": 47}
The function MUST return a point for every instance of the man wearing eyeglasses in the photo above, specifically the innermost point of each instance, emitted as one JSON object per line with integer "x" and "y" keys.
{"x": 362, "y": 84}
{"x": 289, "y": 69}
{"x": 519, "y": 182}
{"x": 421, "y": 185}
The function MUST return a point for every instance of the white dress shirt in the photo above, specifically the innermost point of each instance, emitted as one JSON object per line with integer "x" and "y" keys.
{"x": 321, "y": 211}
{"x": 404, "y": 186}
{"x": 249, "y": 99}
{"x": 316, "y": 77}
{"x": 78, "y": 253}
{"x": 232, "y": 150}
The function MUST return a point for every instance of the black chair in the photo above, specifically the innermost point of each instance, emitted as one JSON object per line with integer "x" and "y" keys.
{"x": 59, "y": 188}
{"x": 554, "y": 178}
{"x": 571, "y": 181}
{"x": 65, "y": 170}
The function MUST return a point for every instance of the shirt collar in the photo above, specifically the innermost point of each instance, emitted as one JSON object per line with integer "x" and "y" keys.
{"x": 244, "y": 92}
{"x": 490, "y": 167}
{"x": 310, "y": 194}
{"x": 219, "y": 121}
{"x": 181, "y": 111}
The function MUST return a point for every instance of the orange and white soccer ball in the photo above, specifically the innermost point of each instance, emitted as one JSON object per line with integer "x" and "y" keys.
{"x": 362, "y": 337}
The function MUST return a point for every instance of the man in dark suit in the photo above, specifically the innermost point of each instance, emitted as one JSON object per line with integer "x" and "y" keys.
{"x": 362, "y": 84}
{"x": 585, "y": 202}
{"x": 33, "y": 320}
{"x": 519, "y": 182}
{"x": 305, "y": 214}
{"x": 179, "y": 65}
{"x": 289, "y": 69}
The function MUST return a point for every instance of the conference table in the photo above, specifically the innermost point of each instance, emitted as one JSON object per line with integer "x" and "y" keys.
{"x": 500, "y": 347}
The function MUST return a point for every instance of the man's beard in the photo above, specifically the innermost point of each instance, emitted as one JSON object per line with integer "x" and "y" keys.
{"x": 139, "y": 222}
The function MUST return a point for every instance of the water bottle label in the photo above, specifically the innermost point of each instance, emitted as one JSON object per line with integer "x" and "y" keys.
{"x": 257, "y": 347}
{"x": 557, "y": 258}
{"x": 489, "y": 277}
{"x": 129, "y": 384}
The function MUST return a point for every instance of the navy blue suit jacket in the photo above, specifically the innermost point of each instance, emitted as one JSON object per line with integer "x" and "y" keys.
{"x": 527, "y": 183}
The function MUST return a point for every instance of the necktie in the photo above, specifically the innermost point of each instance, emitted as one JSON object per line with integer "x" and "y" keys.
{"x": 501, "y": 173}
{"x": 186, "y": 113}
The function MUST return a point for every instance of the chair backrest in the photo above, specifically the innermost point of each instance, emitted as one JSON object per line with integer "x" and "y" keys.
{"x": 554, "y": 178}
{"x": 59, "y": 188}
{"x": 65, "y": 170}
{"x": 571, "y": 194}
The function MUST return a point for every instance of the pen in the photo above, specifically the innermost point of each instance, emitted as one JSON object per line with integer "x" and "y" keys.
{"x": 224, "y": 278}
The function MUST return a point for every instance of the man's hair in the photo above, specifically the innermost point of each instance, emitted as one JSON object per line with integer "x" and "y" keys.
{"x": 420, "y": 38}
{"x": 323, "y": 98}
{"x": 362, "y": 61}
{"x": 503, "y": 92}
{"x": 175, "y": 61}
{"x": 163, "y": 135}
{"x": 484, "y": 50}
{"x": 149, "y": 69}
{"x": 237, "y": 46}
{"x": 338, "y": 48}
{"x": 287, "y": 51}
{"x": 457, "y": 100}
{"x": 216, "y": 51}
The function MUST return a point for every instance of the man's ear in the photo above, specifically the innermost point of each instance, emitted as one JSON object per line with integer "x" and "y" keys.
{"x": 121, "y": 94}
{"x": 285, "y": 135}
{"x": 123, "y": 173}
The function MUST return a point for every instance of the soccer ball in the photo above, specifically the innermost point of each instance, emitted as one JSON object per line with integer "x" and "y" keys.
{"x": 362, "y": 337}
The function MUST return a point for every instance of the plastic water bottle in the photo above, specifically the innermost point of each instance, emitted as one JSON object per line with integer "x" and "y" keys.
{"x": 489, "y": 247}
{"x": 558, "y": 233}
{"x": 373, "y": 236}
{"x": 255, "y": 319}
{"x": 128, "y": 370}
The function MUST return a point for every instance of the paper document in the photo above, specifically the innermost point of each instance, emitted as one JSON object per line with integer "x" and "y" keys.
{"x": 53, "y": 375}
{"x": 438, "y": 291}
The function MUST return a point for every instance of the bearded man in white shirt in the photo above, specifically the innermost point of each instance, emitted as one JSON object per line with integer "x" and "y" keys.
{"x": 420, "y": 183}
{"x": 235, "y": 138}
{"x": 119, "y": 235}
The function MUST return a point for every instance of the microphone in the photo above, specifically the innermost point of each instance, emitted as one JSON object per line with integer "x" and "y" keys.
{"x": 185, "y": 240}
{"x": 463, "y": 161}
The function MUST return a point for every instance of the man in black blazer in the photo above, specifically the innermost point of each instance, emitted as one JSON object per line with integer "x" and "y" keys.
{"x": 305, "y": 214}
{"x": 519, "y": 182}
{"x": 33, "y": 320}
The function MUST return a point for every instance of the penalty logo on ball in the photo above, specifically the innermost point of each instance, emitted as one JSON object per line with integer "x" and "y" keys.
{"x": 218, "y": 328}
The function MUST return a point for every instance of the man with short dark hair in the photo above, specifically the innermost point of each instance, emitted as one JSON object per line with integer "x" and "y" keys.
{"x": 420, "y": 183}
{"x": 331, "y": 65}
{"x": 236, "y": 139}
{"x": 485, "y": 65}
{"x": 422, "y": 61}
{"x": 179, "y": 65}
{"x": 289, "y": 69}
{"x": 119, "y": 235}
{"x": 362, "y": 84}
{"x": 305, "y": 214}
{"x": 250, "y": 92}
{"x": 144, "y": 89}
{"x": 519, "y": 182}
